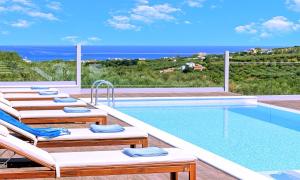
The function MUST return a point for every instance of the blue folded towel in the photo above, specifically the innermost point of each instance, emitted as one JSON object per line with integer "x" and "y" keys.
{"x": 106, "y": 128}
{"x": 145, "y": 152}
{"x": 65, "y": 100}
{"x": 48, "y": 92}
{"x": 39, "y": 132}
{"x": 76, "y": 110}
{"x": 38, "y": 87}
{"x": 52, "y": 132}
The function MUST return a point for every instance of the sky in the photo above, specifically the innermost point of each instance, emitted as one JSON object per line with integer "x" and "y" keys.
{"x": 150, "y": 22}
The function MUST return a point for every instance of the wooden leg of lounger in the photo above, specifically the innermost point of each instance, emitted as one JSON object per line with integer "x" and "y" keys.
{"x": 192, "y": 172}
{"x": 145, "y": 143}
{"x": 174, "y": 176}
{"x": 102, "y": 121}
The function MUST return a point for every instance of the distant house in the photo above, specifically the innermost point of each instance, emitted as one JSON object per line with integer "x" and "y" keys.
{"x": 26, "y": 60}
{"x": 199, "y": 67}
{"x": 201, "y": 56}
{"x": 188, "y": 67}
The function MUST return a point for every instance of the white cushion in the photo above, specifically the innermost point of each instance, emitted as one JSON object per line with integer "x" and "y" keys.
{"x": 27, "y": 150}
{"x": 104, "y": 158}
{"x": 24, "y": 90}
{"x": 86, "y": 134}
{"x": 59, "y": 114}
{"x": 18, "y": 130}
{"x": 4, "y": 131}
{"x": 32, "y": 96}
{"x": 9, "y": 110}
{"x": 5, "y": 101}
{"x": 44, "y": 103}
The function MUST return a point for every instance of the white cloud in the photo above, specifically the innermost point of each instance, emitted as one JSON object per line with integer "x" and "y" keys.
{"x": 16, "y": 8}
{"x": 2, "y": 9}
{"x": 28, "y": 8}
{"x": 264, "y": 35}
{"x": 77, "y": 40}
{"x": 48, "y": 16}
{"x": 72, "y": 39}
{"x": 277, "y": 25}
{"x": 94, "y": 38}
{"x": 122, "y": 23}
{"x": 213, "y": 6}
{"x": 249, "y": 28}
{"x": 142, "y": 1}
{"x": 3, "y": 1}
{"x": 143, "y": 12}
{"x": 148, "y": 13}
{"x": 187, "y": 22}
{"x": 20, "y": 24}
{"x": 293, "y": 5}
{"x": 195, "y": 3}
{"x": 23, "y": 2}
{"x": 280, "y": 24}
{"x": 54, "y": 5}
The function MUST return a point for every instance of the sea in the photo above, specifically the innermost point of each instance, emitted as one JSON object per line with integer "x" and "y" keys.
{"x": 67, "y": 53}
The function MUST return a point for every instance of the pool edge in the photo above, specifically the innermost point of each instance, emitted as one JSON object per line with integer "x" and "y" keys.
{"x": 208, "y": 157}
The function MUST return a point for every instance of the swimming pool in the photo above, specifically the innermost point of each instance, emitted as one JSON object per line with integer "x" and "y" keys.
{"x": 257, "y": 136}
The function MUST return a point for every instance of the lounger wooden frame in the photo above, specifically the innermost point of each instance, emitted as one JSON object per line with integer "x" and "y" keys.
{"x": 172, "y": 168}
{"x": 29, "y": 99}
{"x": 57, "y": 120}
{"x": 58, "y": 107}
{"x": 132, "y": 142}
{"x": 20, "y": 92}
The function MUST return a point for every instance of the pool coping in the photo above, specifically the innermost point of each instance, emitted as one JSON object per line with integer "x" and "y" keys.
{"x": 280, "y": 108}
{"x": 206, "y": 156}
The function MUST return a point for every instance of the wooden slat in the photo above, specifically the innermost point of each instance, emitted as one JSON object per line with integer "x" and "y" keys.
{"x": 30, "y": 99}
{"x": 102, "y": 171}
{"x": 98, "y": 120}
{"x": 30, "y": 108}
{"x": 102, "y": 142}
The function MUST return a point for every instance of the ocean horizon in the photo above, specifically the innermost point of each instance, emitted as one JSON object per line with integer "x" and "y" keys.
{"x": 46, "y": 53}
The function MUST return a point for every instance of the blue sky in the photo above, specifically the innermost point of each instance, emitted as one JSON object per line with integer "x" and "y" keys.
{"x": 150, "y": 22}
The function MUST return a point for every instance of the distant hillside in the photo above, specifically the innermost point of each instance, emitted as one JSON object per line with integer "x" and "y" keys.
{"x": 287, "y": 50}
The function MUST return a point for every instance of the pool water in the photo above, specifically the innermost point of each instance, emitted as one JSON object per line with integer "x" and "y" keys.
{"x": 258, "y": 137}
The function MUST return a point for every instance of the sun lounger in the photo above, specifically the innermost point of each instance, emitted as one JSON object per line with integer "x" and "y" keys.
{"x": 93, "y": 163}
{"x": 55, "y": 116}
{"x": 41, "y": 105}
{"x": 84, "y": 137}
{"x": 30, "y": 97}
{"x": 24, "y": 90}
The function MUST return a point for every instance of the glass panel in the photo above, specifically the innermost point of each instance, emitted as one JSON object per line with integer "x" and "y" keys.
{"x": 146, "y": 66}
{"x": 275, "y": 72}
{"x": 37, "y": 63}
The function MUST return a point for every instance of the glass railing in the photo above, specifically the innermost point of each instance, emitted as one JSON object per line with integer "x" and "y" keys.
{"x": 38, "y": 64}
{"x": 151, "y": 67}
{"x": 256, "y": 72}
{"x": 268, "y": 73}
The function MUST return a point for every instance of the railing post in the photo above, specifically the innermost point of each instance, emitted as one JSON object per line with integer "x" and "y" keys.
{"x": 78, "y": 65}
{"x": 226, "y": 71}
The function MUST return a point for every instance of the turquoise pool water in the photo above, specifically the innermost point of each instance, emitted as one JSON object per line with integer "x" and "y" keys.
{"x": 257, "y": 137}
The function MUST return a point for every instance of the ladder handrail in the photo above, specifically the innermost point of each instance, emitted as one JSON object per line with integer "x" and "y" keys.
{"x": 92, "y": 89}
{"x": 110, "y": 87}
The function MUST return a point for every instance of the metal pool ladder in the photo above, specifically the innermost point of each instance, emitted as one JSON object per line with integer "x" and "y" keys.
{"x": 109, "y": 92}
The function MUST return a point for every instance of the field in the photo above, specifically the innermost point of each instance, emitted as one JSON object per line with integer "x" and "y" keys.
{"x": 250, "y": 74}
